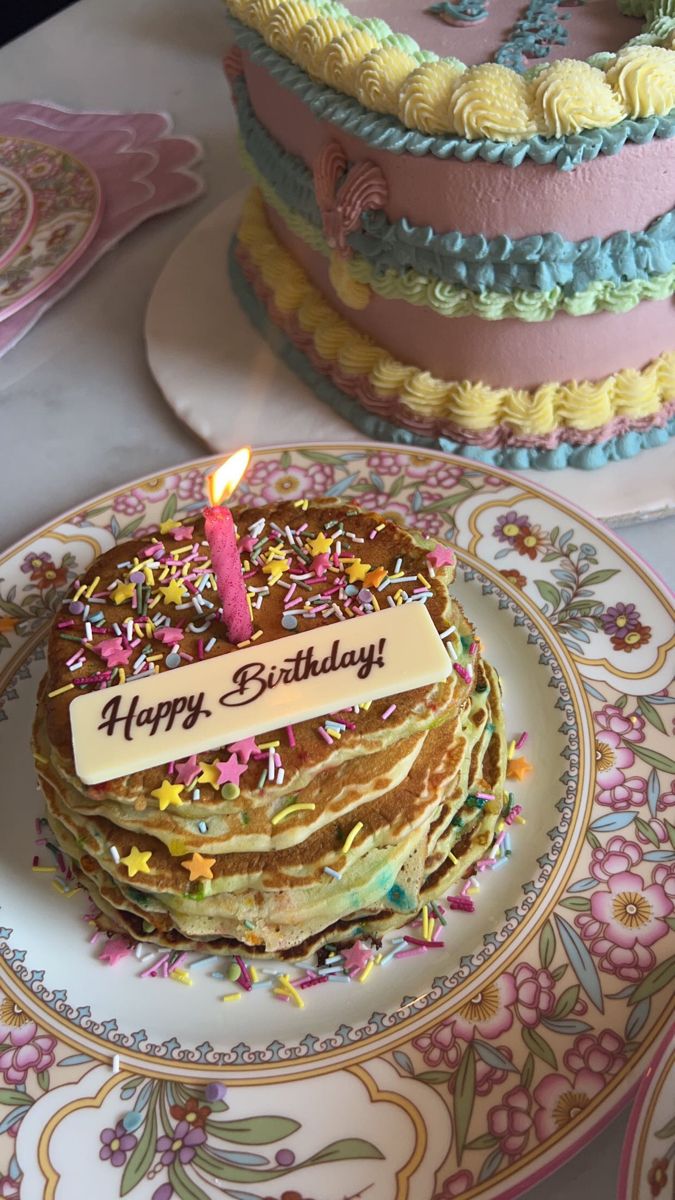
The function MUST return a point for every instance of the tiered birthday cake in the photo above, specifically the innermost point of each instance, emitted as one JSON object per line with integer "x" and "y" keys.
{"x": 321, "y": 831}
{"x": 462, "y": 224}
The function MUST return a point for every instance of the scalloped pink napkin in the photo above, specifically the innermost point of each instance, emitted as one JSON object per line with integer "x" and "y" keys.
{"x": 142, "y": 171}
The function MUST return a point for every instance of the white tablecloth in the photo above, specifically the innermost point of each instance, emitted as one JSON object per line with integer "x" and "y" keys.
{"x": 79, "y": 411}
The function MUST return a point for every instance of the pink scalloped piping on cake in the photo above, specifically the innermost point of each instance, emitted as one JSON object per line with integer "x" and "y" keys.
{"x": 509, "y": 353}
{"x": 394, "y": 408}
{"x": 594, "y": 200}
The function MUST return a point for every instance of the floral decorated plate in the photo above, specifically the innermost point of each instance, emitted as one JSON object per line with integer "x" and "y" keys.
{"x": 648, "y": 1160}
{"x": 17, "y": 213}
{"x": 68, "y": 209}
{"x": 472, "y": 1073}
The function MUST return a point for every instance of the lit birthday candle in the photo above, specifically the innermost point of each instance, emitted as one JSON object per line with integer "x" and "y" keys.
{"x": 222, "y": 538}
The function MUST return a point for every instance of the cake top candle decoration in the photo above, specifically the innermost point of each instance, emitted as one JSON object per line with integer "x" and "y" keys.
{"x": 222, "y": 538}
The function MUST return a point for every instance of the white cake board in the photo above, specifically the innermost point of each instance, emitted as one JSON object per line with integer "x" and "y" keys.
{"x": 222, "y": 379}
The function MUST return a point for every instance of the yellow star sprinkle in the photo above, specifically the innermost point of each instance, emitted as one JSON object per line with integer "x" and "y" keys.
{"x": 357, "y": 570}
{"x": 199, "y": 868}
{"x": 275, "y": 568}
{"x": 320, "y": 544}
{"x": 210, "y": 774}
{"x": 168, "y": 793}
{"x": 137, "y": 860}
{"x": 176, "y": 848}
{"x": 123, "y": 591}
{"x": 174, "y": 592}
{"x": 167, "y": 526}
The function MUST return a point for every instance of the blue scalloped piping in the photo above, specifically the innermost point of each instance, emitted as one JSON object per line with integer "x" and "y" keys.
{"x": 533, "y": 35}
{"x": 387, "y": 133}
{"x": 463, "y": 12}
{"x": 626, "y": 445}
{"x": 536, "y": 263}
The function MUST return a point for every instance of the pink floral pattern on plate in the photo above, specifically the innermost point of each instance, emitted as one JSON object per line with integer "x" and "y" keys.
{"x": 17, "y": 213}
{"x": 68, "y": 202}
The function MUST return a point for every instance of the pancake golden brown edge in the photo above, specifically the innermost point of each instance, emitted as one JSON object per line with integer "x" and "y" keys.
{"x": 400, "y": 796}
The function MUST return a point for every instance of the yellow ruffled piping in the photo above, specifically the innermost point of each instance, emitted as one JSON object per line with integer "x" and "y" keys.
{"x": 580, "y": 405}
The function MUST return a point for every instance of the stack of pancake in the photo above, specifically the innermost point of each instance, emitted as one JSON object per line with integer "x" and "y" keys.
{"x": 402, "y": 794}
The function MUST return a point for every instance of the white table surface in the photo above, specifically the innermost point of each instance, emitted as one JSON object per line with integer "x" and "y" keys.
{"x": 79, "y": 411}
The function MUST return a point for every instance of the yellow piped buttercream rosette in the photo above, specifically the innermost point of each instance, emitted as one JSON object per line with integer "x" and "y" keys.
{"x": 379, "y": 78}
{"x": 644, "y": 78}
{"x": 257, "y": 14}
{"x": 570, "y": 96}
{"x": 586, "y": 404}
{"x": 389, "y": 376}
{"x": 473, "y": 405}
{"x": 493, "y": 102}
{"x": 290, "y": 291}
{"x": 634, "y": 392}
{"x": 285, "y": 22}
{"x": 330, "y": 336}
{"x": 313, "y": 311}
{"x": 312, "y": 39}
{"x": 530, "y": 413}
{"x": 359, "y": 355}
{"x": 342, "y": 55}
{"x": 425, "y": 394}
{"x": 424, "y": 100}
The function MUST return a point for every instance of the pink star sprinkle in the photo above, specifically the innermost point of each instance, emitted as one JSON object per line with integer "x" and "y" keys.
{"x": 230, "y": 771}
{"x": 169, "y": 635}
{"x": 113, "y": 652}
{"x": 187, "y": 770}
{"x": 441, "y": 556}
{"x": 320, "y": 564}
{"x": 244, "y": 749}
{"x": 356, "y": 957}
{"x": 114, "y": 949}
{"x": 183, "y": 533}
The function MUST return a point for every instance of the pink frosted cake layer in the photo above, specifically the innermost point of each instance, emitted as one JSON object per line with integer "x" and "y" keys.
{"x": 611, "y": 193}
{"x": 507, "y": 353}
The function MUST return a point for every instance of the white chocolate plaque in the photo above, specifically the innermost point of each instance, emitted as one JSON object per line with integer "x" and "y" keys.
{"x": 208, "y": 704}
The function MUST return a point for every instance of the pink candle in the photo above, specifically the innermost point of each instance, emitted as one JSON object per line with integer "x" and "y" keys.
{"x": 222, "y": 539}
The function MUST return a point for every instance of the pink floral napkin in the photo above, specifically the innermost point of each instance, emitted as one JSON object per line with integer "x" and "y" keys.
{"x": 141, "y": 168}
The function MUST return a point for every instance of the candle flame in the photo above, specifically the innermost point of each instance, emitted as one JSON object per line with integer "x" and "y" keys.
{"x": 224, "y": 480}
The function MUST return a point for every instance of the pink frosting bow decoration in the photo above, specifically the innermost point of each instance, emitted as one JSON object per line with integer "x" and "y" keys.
{"x": 344, "y": 193}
